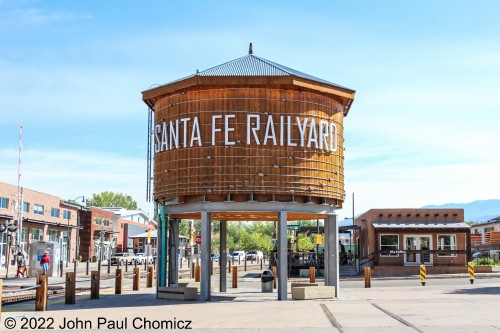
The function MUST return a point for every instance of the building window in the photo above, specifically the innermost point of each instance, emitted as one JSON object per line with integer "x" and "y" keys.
{"x": 38, "y": 209}
{"x": 54, "y": 212}
{"x": 488, "y": 229}
{"x": 37, "y": 234}
{"x": 53, "y": 235}
{"x": 389, "y": 245}
{"x": 98, "y": 221}
{"x": 4, "y": 203}
{"x": 66, "y": 214}
{"x": 106, "y": 223}
{"x": 447, "y": 243}
{"x": 26, "y": 207}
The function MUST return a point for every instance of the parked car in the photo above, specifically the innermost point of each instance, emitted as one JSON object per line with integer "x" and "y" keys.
{"x": 238, "y": 255}
{"x": 122, "y": 258}
{"x": 254, "y": 255}
{"x": 215, "y": 257}
{"x": 142, "y": 258}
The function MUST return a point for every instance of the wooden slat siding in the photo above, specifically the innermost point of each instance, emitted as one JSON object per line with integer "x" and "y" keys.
{"x": 307, "y": 171}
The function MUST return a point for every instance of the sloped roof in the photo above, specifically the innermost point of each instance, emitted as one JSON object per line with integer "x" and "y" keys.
{"x": 251, "y": 65}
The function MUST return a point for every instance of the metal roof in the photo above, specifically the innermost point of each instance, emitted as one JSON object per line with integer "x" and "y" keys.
{"x": 251, "y": 65}
{"x": 422, "y": 225}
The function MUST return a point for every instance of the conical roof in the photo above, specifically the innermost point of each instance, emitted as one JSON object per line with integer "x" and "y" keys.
{"x": 252, "y": 66}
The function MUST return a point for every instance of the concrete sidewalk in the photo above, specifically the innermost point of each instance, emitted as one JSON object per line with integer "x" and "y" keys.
{"x": 458, "y": 307}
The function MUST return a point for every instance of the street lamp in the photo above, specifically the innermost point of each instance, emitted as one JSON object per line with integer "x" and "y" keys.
{"x": 68, "y": 215}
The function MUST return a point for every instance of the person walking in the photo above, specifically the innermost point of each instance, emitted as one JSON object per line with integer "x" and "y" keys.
{"x": 45, "y": 262}
{"x": 21, "y": 265}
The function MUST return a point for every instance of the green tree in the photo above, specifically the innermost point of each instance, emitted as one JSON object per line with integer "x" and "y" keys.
{"x": 305, "y": 243}
{"x": 111, "y": 199}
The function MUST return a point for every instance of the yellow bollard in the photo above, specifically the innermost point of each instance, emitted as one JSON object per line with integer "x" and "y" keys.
{"x": 422, "y": 274}
{"x": 470, "y": 266}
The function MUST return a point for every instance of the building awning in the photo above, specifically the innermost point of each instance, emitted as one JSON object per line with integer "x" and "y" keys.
{"x": 420, "y": 225}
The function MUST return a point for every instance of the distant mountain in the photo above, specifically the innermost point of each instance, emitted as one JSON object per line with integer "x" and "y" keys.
{"x": 476, "y": 211}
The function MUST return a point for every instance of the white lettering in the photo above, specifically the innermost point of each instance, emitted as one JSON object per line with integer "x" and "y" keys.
{"x": 174, "y": 134}
{"x": 323, "y": 134}
{"x": 333, "y": 137}
{"x": 164, "y": 137}
{"x": 157, "y": 139}
{"x": 215, "y": 130}
{"x": 312, "y": 133}
{"x": 282, "y": 131}
{"x": 184, "y": 125}
{"x": 251, "y": 129}
{"x": 195, "y": 135}
{"x": 302, "y": 130}
{"x": 228, "y": 129}
{"x": 289, "y": 132}
{"x": 270, "y": 128}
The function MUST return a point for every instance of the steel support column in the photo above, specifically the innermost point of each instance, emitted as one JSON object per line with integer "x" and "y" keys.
{"x": 206, "y": 245}
{"x": 173, "y": 241}
{"x": 162, "y": 252}
{"x": 223, "y": 255}
{"x": 282, "y": 256}
{"x": 332, "y": 253}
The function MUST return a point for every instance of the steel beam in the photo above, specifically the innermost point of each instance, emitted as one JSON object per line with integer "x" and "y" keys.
{"x": 332, "y": 253}
{"x": 223, "y": 255}
{"x": 282, "y": 256}
{"x": 206, "y": 240}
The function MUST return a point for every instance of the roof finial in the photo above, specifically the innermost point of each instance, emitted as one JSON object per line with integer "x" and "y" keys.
{"x": 250, "y": 50}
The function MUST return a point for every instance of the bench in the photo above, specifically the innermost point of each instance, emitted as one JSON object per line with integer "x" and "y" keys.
{"x": 313, "y": 292}
{"x": 303, "y": 284}
{"x": 181, "y": 293}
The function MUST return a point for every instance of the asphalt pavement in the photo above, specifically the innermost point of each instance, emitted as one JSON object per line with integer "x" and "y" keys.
{"x": 450, "y": 304}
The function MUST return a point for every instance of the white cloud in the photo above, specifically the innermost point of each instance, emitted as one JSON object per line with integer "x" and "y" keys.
{"x": 69, "y": 174}
{"x": 38, "y": 16}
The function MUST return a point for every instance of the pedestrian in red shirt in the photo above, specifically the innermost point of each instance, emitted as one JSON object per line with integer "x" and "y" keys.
{"x": 45, "y": 261}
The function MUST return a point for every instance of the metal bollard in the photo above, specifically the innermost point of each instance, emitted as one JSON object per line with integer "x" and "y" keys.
{"x": 422, "y": 274}
{"x": 87, "y": 269}
{"x": 151, "y": 275}
{"x": 118, "y": 281}
{"x": 312, "y": 274}
{"x": 245, "y": 263}
{"x": 192, "y": 270}
{"x": 368, "y": 277}
{"x": 74, "y": 267}
{"x": 239, "y": 260}
{"x": 69, "y": 292}
{"x": 274, "y": 269}
{"x": 41, "y": 293}
{"x": 470, "y": 266}
{"x": 1, "y": 298}
{"x": 235, "y": 277}
{"x": 126, "y": 266}
{"x": 61, "y": 268}
{"x": 261, "y": 260}
{"x": 137, "y": 278}
{"x": 229, "y": 266}
{"x": 212, "y": 267}
{"x": 95, "y": 281}
{"x": 109, "y": 265}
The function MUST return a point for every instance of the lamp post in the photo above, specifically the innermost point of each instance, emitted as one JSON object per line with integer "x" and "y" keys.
{"x": 68, "y": 248}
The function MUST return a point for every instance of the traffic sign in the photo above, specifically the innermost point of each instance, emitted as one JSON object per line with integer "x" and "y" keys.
{"x": 197, "y": 239}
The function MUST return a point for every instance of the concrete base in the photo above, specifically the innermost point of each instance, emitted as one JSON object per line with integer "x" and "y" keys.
{"x": 319, "y": 292}
{"x": 303, "y": 284}
{"x": 182, "y": 293}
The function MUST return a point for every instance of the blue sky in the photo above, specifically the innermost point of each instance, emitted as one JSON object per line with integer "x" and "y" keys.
{"x": 423, "y": 129}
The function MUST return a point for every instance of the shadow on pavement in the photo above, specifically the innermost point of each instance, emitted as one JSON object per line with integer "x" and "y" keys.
{"x": 477, "y": 291}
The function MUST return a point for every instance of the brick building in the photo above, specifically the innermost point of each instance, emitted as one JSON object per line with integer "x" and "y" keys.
{"x": 397, "y": 241}
{"x": 109, "y": 230}
{"x": 45, "y": 217}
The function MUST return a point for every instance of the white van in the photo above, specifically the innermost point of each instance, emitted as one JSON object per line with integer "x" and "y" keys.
{"x": 238, "y": 255}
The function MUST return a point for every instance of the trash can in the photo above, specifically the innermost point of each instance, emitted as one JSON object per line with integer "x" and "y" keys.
{"x": 267, "y": 280}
